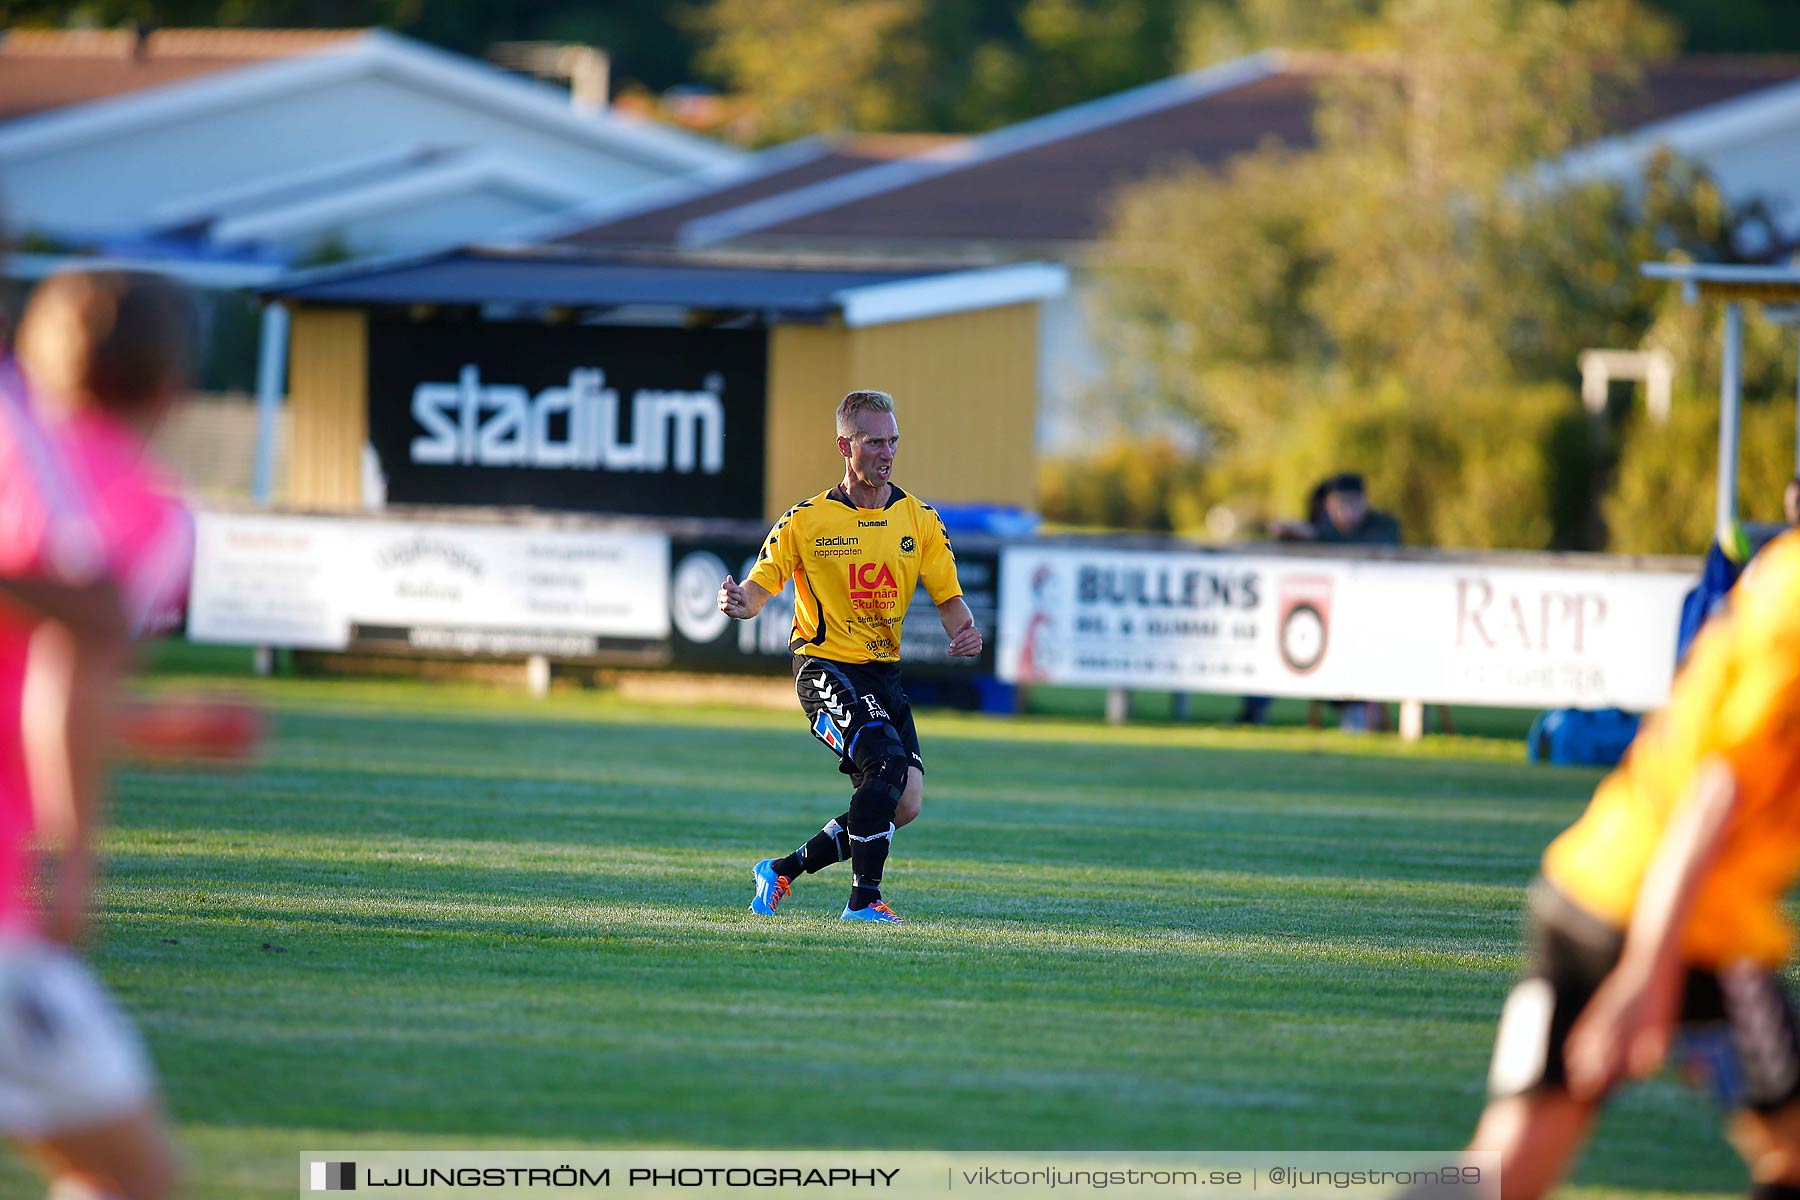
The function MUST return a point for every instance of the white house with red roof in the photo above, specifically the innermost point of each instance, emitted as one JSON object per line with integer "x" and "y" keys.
{"x": 261, "y": 148}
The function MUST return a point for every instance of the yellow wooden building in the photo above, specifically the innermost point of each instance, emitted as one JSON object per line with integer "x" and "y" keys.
{"x": 489, "y": 378}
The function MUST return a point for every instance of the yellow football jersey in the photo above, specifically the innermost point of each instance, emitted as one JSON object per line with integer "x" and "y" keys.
{"x": 1737, "y": 698}
{"x": 855, "y": 570}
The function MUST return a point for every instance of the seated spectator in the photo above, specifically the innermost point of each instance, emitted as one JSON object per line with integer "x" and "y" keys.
{"x": 1340, "y": 515}
{"x": 1308, "y": 530}
{"x": 1350, "y": 520}
{"x": 1337, "y": 513}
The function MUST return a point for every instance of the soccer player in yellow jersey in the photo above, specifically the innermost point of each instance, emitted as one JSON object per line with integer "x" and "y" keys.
{"x": 1658, "y": 912}
{"x": 856, "y": 553}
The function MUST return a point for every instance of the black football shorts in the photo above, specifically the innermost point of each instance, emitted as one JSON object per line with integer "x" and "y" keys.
{"x": 1737, "y": 1030}
{"x": 843, "y": 699}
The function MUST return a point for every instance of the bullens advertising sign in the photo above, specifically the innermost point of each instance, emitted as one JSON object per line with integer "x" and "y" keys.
{"x": 662, "y": 422}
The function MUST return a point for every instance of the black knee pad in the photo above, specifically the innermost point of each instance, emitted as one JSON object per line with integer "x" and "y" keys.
{"x": 880, "y": 760}
{"x": 881, "y": 764}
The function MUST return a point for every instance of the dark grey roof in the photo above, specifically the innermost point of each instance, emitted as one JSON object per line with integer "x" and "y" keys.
{"x": 1049, "y": 181}
{"x": 475, "y": 277}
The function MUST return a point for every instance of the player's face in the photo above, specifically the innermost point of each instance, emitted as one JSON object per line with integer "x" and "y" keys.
{"x": 871, "y": 448}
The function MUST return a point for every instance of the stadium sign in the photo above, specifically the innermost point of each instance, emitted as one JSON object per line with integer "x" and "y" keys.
{"x": 325, "y": 583}
{"x": 1476, "y": 632}
{"x": 664, "y": 422}
{"x": 574, "y": 427}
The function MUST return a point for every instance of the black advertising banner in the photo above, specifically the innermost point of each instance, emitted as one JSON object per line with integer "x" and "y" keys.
{"x": 588, "y": 418}
{"x": 704, "y": 639}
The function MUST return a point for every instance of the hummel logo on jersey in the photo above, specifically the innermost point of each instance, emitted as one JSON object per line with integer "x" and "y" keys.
{"x": 871, "y": 524}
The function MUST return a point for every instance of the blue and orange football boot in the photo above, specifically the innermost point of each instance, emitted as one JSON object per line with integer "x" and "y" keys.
{"x": 771, "y": 889}
{"x": 877, "y": 913}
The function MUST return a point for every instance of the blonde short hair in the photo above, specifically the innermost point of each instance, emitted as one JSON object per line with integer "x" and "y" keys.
{"x": 866, "y": 400}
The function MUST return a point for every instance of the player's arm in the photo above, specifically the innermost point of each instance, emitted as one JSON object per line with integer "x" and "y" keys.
{"x": 959, "y": 623}
{"x": 1625, "y": 1029}
{"x": 94, "y": 610}
{"x": 937, "y": 571}
{"x": 779, "y": 559}
{"x": 77, "y": 654}
{"x": 71, "y": 679}
{"x": 742, "y": 601}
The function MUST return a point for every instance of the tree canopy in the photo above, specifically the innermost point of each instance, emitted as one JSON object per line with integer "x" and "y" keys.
{"x": 1419, "y": 277}
{"x": 942, "y": 65}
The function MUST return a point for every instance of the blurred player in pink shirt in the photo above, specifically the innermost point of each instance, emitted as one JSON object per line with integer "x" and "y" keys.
{"x": 92, "y": 549}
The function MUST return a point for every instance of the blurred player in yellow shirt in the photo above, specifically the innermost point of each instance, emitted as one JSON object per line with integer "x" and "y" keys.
{"x": 1657, "y": 919}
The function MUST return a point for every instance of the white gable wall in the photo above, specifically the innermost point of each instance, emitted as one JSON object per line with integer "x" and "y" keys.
{"x": 1762, "y": 165}
{"x": 1751, "y": 145}
{"x": 1766, "y": 167}
{"x": 428, "y": 225}
{"x": 330, "y": 141}
{"x": 106, "y": 184}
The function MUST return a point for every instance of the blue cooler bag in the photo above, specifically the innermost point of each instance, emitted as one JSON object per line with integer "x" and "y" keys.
{"x": 1580, "y": 737}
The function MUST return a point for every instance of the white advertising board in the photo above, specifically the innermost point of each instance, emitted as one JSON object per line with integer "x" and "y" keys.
{"x": 309, "y": 581}
{"x": 1478, "y": 633}
{"x": 266, "y": 580}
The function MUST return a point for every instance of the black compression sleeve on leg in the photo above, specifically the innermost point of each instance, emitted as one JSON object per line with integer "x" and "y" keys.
{"x": 881, "y": 778}
{"x": 825, "y": 848}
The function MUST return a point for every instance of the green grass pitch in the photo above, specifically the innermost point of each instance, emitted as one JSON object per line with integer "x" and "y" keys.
{"x": 454, "y": 917}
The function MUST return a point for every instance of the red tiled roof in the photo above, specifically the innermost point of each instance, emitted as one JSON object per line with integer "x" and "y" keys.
{"x": 659, "y": 226}
{"x": 1057, "y": 192}
{"x": 1696, "y": 81}
{"x": 43, "y": 69}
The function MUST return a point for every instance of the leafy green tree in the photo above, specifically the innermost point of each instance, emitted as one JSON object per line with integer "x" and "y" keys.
{"x": 982, "y": 62}
{"x": 1432, "y": 163}
{"x": 647, "y": 43}
{"x": 1415, "y": 241}
{"x": 1735, "y": 26}
{"x": 1206, "y": 304}
{"x": 1420, "y": 261}
{"x": 1148, "y": 486}
{"x": 1662, "y": 498}
{"x": 1225, "y": 29}
{"x": 1062, "y": 52}
{"x": 818, "y": 65}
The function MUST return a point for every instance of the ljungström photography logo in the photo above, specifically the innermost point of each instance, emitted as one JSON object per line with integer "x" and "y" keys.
{"x": 334, "y": 1177}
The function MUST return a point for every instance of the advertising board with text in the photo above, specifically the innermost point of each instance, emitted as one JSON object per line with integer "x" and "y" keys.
{"x": 320, "y": 583}
{"x": 1477, "y": 632}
